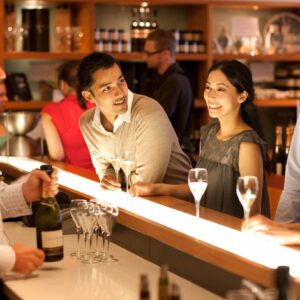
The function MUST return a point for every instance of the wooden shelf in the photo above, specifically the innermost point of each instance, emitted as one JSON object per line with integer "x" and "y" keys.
{"x": 43, "y": 55}
{"x": 132, "y": 56}
{"x": 24, "y": 105}
{"x": 259, "y": 57}
{"x": 276, "y": 103}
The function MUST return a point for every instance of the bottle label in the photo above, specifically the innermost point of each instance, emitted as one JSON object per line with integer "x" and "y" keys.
{"x": 52, "y": 239}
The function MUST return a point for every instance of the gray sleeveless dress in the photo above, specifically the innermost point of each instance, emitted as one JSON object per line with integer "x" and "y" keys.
{"x": 221, "y": 158}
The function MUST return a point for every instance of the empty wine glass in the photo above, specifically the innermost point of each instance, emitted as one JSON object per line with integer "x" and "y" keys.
{"x": 107, "y": 220}
{"x": 247, "y": 189}
{"x": 197, "y": 181}
{"x": 74, "y": 207}
{"x": 128, "y": 166}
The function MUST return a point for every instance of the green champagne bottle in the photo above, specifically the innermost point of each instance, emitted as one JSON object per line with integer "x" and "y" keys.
{"x": 49, "y": 225}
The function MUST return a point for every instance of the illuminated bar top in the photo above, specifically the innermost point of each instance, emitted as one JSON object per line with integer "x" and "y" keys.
{"x": 70, "y": 279}
{"x": 246, "y": 255}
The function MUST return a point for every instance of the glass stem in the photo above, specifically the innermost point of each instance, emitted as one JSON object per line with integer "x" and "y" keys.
{"x": 197, "y": 204}
{"x": 91, "y": 242}
{"x": 78, "y": 242}
{"x": 103, "y": 243}
{"x": 97, "y": 241}
{"x": 127, "y": 178}
{"x": 108, "y": 243}
{"x": 246, "y": 214}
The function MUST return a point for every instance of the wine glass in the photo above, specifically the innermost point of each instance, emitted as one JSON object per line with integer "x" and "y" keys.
{"x": 197, "y": 181}
{"x": 116, "y": 161}
{"x": 128, "y": 166}
{"x": 75, "y": 205}
{"x": 247, "y": 189}
{"x": 107, "y": 221}
{"x": 89, "y": 217}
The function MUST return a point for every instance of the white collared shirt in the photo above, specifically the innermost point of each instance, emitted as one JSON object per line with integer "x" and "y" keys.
{"x": 126, "y": 117}
{"x": 12, "y": 204}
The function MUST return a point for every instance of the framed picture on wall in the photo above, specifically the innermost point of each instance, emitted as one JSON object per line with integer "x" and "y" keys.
{"x": 18, "y": 87}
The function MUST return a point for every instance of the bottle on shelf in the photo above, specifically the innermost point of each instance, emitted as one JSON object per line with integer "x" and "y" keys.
{"x": 135, "y": 30}
{"x": 10, "y": 31}
{"x": 279, "y": 157}
{"x": 283, "y": 284}
{"x": 154, "y": 23}
{"x": 163, "y": 283}
{"x": 144, "y": 287}
{"x": 49, "y": 225}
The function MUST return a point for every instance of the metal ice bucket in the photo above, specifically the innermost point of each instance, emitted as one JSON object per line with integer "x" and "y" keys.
{"x": 19, "y": 123}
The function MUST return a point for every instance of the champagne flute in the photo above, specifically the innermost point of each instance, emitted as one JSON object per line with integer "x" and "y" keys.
{"x": 108, "y": 219}
{"x": 128, "y": 166}
{"x": 74, "y": 207}
{"x": 247, "y": 189}
{"x": 197, "y": 180}
{"x": 116, "y": 162}
{"x": 90, "y": 221}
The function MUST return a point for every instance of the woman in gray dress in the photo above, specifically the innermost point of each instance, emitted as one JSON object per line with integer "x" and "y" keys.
{"x": 231, "y": 145}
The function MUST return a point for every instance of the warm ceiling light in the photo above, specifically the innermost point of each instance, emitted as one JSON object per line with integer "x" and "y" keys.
{"x": 255, "y": 7}
{"x": 144, "y": 4}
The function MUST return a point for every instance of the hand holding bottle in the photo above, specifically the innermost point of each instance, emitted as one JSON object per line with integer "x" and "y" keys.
{"x": 28, "y": 259}
{"x": 37, "y": 181}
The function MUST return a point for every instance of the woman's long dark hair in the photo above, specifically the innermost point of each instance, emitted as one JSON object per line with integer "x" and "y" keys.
{"x": 240, "y": 77}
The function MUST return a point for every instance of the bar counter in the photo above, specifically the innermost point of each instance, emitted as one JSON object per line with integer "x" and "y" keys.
{"x": 70, "y": 279}
{"x": 214, "y": 241}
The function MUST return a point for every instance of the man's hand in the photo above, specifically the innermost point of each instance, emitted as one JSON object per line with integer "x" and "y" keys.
{"x": 36, "y": 182}
{"x": 143, "y": 189}
{"x": 272, "y": 231}
{"x": 28, "y": 259}
{"x": 109, "y": 182}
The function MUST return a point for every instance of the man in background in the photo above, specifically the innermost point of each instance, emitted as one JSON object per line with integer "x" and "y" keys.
{"x": 172, "y": 89}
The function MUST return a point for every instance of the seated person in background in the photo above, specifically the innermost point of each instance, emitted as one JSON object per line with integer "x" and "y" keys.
{"x": 288, "y": 210}
{"x": 172, "y": 89}
{"x": 61, "y": 121}
{"x": 285, "y": 234}
{"x": 128, "y": 121}
{"x": 230, "y": 146}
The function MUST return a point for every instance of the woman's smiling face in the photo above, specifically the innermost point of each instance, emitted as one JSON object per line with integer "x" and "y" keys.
{"x": 222, "y": 98}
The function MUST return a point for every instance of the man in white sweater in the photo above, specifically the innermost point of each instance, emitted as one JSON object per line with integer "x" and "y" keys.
{"x": 131, "y": 122}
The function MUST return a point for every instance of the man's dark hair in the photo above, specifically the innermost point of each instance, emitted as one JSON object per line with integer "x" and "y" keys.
{"x": 164, "y": 39}
{"x": 88, "y": 66}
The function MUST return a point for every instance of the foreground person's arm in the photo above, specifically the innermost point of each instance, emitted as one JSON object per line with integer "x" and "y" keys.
{"x": 14, "y": 201}
{"x": 181, "y": 191}
{"x": 285, "y": 234}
